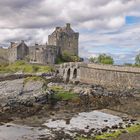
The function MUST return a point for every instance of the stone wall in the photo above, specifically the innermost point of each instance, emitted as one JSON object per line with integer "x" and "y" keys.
{"x": 12, "y": 54}
{"x": 44, "y": 54}
{"x": 109, "y": 76}
{"x": 69, "y": 44}
{"x": 3, "y": 55}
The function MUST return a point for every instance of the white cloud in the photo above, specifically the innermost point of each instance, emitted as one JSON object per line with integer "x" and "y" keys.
{"x": 44, "y": 13}
{"x": 116, "y": 22}
{"x": 103, "y": 20}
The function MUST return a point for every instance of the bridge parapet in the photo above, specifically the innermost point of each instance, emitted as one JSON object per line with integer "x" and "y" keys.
{"x": 119, "y": 77}
{"x": 106, "y": 75}
{"x": 115, "y": 68}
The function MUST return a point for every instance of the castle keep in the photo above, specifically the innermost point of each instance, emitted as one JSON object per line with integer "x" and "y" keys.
{"x": 66, "y": 38}
{"x": 62, "y": 40}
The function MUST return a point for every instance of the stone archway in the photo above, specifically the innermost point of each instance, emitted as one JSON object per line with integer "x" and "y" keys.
{"x": 68, "y": 75}
{"x": 75, "y": 74}
{"x": 63, "y": 72}
{"x": 57, "y": 72}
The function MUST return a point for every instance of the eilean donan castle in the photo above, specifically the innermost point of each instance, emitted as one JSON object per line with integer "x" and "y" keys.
{"x": 62, "y": 40}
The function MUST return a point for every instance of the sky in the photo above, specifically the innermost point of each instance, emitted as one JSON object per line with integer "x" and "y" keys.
{"x": 105, "y": 26}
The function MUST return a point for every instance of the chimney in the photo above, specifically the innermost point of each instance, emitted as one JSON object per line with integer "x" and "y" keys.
{"x": 68, "y": 25}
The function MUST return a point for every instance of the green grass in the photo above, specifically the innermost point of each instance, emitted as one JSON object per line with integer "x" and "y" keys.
{"x": 111, "y": 136}
{"x": 108, "y": 136}
{"x": 80, "y": 138}
{"x": 62, "y": 94}
{"x": 34, "y": 78}
{"x": 22, "y": 66}
{"x": 65, "y": 95}
{"x": 57, "y": 88}
{"x": 133, "y": 129}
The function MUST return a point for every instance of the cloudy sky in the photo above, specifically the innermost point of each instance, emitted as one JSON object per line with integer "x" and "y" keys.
{"x": 105, "y": 26}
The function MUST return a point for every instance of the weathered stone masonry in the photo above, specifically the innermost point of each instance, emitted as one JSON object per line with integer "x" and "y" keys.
{"x": 62, "y": 40}
{"x": 66, "y": 38}
{"x": 106, "y": 75}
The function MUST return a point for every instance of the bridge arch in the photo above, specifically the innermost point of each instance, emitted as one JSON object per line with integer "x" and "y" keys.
{"x": 68, "y": 75}
{"x": 75, "y": 73}
{"x": 63, "y": 72}
{"x": 57, "y": 71}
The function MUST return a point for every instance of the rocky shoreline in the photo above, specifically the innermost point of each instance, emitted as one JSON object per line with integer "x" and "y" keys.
{"x": 34, "y": 102}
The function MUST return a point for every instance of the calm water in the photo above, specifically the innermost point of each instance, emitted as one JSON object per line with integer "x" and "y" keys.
{"x": 94, "y": 119}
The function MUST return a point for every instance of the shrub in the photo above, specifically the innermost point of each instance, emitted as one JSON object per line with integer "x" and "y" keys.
{"x": 19, "y": 63}
{"x": 35, "y": 68}
{"x": 65, "y": 95}
{"x": 137, "y": 59}
{"x": 102, "y": 59}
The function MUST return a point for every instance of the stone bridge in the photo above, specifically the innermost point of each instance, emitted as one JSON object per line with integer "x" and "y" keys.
{"x": 70, "y": 71}
{"x": 106, "y": 75}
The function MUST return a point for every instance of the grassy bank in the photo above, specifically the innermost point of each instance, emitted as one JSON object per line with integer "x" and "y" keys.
{"x": 22, "y": 66}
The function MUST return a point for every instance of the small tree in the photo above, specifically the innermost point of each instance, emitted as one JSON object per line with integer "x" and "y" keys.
{"x": 94, "y": 59}
{"x": 137, "y": 59}
{"x": 66, "y": 57}
{"x": 102, "y": 59}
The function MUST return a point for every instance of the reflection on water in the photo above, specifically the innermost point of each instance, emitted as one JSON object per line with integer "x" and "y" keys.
{"x": 85, "y": 121}
{"x": 17, "y": 132}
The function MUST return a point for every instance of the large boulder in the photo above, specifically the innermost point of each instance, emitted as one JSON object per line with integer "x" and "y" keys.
{"x": 17, "y": 92}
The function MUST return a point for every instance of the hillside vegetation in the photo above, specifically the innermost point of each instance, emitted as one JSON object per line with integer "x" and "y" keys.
{"x": 22, "y": 66}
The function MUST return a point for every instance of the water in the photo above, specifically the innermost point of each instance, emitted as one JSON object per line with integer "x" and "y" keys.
{"x": 84, "y": 121}
{"x": 17, "y": 132}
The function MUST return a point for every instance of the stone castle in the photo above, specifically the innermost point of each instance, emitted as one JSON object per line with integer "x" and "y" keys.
{"x": 62, "y": 40}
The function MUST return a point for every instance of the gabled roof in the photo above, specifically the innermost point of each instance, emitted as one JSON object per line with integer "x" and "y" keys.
{"x": 16, "y": 45}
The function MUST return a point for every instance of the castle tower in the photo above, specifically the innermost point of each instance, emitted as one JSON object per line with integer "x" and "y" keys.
{"x": 66, "y": 39}
{"x": 18, "y": 51}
